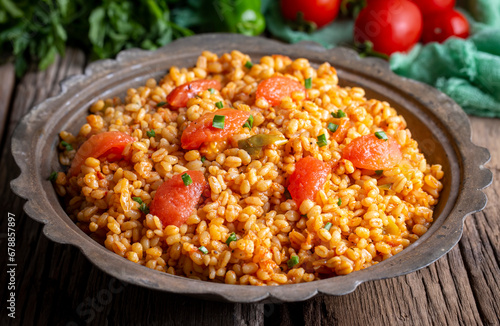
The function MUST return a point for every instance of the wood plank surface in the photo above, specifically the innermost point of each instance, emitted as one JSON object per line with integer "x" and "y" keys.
{"x": 57, "y": 285}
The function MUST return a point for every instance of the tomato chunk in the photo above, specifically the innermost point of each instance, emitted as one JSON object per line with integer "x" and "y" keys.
{"x": 308, "y": 178}
{"x": 174, "y": 201}
{"x": 201, "y": 130}
{"x": 369, "y": 152}
{"x": 341, "y": 131}
{"x": 103, "y": 144}
{"x": 180, "y": 95}
{"x": 275, "y": 88}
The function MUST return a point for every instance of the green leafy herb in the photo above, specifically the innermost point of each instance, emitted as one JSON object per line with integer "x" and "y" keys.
{"x": 52, "y": 176}
{"x": 137, "y": 199}
{"x": 322, "y": 140}
{"x": 144, "y": 208}
{"x": 248, "y": 64}
{"x": 379, "y": 172}
{"x": 249, "y": 123}
{"x": 186, "y": 178}
{"x": 219, "y": 105}
{"x": 332, "y": 127}
{"x": 231, "y": 238}
{"x": 308, "y": 83}
{"x": 294, "y": 260}
{"x": 203, "y": 250}
{"x": 381, "y": 135}
{"x": 67, "y": 146}
{"x": 211, "y": 90}
{"x": 151, "y": 133}
{"x": 339, "y": 202}
{"x": 203, "y": 159}
{"x": 218, "y": 121}
{"x": 160, "y": 104}
{"x": 328, "y": 226}
{"x": 339, "y": 114}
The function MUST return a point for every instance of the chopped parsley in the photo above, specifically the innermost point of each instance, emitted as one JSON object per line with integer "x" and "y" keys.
{"x": 203, "y": 159}
{"x": 160, "y": 104}
{"x": 339, "y": 114}
{"x": 186, "y": 178}
{"x": 379, "y": 172}
{"x": 332, "y": 127}
{"x": 294, "y": 260}
{"x": 339, "y": 202}
{"x": 381, "y": 135}
{"x": 218, "y": 121}
{"x": 308, "y": 83}
{"x": 137, "y": 199}
{"x": 322, "y": 140}
{"x": 144, "y": 208}
{"x": 231, "y": 238}
{"x": 249, "y": 123}
{"x": 151, "y": 133}
{"x": 67, "y": 146}
{"x": 52, "y": 176}
{"x": 248, "y": 64}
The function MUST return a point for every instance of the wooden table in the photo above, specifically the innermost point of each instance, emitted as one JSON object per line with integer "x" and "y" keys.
{"x": 57, "y": 285}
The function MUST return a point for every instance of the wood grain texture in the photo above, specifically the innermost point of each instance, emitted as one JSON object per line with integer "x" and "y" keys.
{"x": 57, "y": 285}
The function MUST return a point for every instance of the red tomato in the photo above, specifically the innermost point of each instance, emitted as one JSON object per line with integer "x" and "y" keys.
{"x": 429, "y": 7}
{"x": 308, "y": 178}
{"x": 180, "y": 95}
{"x": 439, "y": 27}
{"x": 202, "y": 131}
{"x": 341, "y": 131}
{"x": 391, "y": 25}
{"x": 369, "y": 152}
{"x": 320, "y": 12}
{"x": 275, "y": 88}
{"x": 174, "y": 201}
{"x": 104, "y": 144}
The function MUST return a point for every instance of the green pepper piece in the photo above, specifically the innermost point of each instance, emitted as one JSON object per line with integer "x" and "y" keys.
{"x": 241, "y": 16}
{"x": 253, "y": 145}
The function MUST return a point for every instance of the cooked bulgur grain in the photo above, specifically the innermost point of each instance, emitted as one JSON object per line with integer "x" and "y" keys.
{"x": 245, "y": 229}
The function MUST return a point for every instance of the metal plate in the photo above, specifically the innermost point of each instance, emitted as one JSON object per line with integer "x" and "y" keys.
{"x": 439, "y": 125}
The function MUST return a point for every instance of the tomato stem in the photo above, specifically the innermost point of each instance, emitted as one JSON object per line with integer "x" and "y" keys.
{"x": 366, "y": 50}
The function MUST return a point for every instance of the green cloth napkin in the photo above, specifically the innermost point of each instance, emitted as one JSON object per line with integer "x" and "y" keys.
{"x": 466, "y": 70}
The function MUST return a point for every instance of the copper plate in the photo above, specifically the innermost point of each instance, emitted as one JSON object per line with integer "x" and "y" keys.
{"x": 439, "y": 125}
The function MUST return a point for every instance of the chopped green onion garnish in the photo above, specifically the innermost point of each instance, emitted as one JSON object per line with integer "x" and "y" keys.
{"x": 339, "y": 201}
{"x": 381, "y": 135}
{"x": 67, "y": 146}
{"x": 144, "y": 208}
{"x": 308, "y": 83}
{"x": 203, "y": 159}
{"x": 53, "y": 176}
{"x": 379, "y": 172}
{"x": 249, "y": 123}
{"x": 151, "y": 133}
{"x": 203, "y": 250}
{"x": 160, "y": 104}
{"x": 322, "y": 140}
{"x": 218, "y": 121}
{"x": 219, "y": 105}
{"x": 211, "y": 90}
{"x": 386, "y": 186}
{"x": 248, "y": 64}
{"x": 339, "y": 114}
{"x": 137, "y": 199}
{"x": 294, "y": 260}
{"x": 328, "y": 226}
{"x": 186, "y": 178}
{"x": 332, "y": 127}
{"x": 231, "y": 238}
{"x": 287, "y": 194}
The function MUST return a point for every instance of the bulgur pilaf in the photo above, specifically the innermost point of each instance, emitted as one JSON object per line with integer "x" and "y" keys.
{"x": 297, "y": 202}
